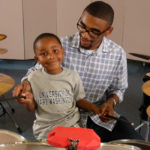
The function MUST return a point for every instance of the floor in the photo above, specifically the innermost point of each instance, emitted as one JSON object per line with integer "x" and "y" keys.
{"x": 129, "y": 107}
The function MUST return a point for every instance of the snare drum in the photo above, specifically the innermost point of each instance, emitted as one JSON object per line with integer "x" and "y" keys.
{"x": 29, "y": 146}
{"x": 114, "y": 146}
{"x": 9, "y": 137}
{"x": 139, "y": 143}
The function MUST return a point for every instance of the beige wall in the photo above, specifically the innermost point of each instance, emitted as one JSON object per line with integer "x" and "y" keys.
{"x": 11, "y": 24}
{"x": 137, "y": 23}
{"x": 39, "y": 16}
{"x": 23, "y": 20}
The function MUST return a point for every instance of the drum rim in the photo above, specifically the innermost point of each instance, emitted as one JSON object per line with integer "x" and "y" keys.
{"x": 26, "y": 143}
{"x": 130, "y": 141}
{"x": 121, "y": 145}
{"x": 13, "y": 134}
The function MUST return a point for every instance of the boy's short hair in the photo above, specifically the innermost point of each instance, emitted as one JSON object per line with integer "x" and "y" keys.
{"x": 43, "y": 35}
{"x": 101, "y": 10}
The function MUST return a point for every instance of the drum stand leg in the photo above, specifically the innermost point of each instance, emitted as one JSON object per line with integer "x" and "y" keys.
{"x": 5, "y": 110}
{"x": 147, "y": 123}
{"x": 147, "y": 131}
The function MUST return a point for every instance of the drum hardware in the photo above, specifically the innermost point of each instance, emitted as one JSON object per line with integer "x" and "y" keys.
{"x": 117, "y": 146}
{"x": 147, "y": 123}
{"x": 5, "y": 110}
{"x": 73, "y": 144}
{"x": 143, "y": 56}
{"x": 6, "y": 83}
{"x": 28, "y": 146}
{"x": 145, "y": 108}
{"x": 143, "y": 145}
{"x": 118, "y": 119}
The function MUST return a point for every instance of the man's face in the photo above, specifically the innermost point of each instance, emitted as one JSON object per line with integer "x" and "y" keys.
{"x": 92, "y": 30}
{"x": 50, "y": 54}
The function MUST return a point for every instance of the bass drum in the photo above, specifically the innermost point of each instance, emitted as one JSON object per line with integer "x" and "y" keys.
{"x": 9, "y": 137}
{"x": 116, "y": 146}
{"x": 138, "y": 143}
{"x": 29, "y": 146}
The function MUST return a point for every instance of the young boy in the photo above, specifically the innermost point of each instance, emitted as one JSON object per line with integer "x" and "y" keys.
{"x": 56, "y": 90}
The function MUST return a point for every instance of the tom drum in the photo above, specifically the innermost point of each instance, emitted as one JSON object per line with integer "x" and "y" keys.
{"x": 9, "y": 137}
{"x": 138, "y": 143}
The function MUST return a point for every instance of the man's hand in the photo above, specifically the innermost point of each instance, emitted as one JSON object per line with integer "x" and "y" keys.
{"x": 106, "y": 109}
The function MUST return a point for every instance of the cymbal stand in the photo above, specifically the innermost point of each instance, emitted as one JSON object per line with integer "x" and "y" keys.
{"x": 5, "y": 110}
{"x": 147, "y": 123}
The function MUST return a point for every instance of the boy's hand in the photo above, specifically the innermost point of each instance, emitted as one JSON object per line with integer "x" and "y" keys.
{"x": 21, "y": 88}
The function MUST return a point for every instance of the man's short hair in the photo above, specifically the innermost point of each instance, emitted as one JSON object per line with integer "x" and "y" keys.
{"x": 101, "y": 10}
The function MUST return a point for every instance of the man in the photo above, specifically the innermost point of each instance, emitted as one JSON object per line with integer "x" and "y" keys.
{"x": 102, "y": 66}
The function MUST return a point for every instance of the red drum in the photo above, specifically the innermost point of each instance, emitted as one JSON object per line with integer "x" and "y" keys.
{"x": 29, "y": 146}
{"x": 9, "y": 137}
{"x": 138, "y": 143}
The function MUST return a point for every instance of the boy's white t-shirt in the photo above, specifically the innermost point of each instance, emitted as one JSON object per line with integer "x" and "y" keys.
{"x": 55, "y": 96}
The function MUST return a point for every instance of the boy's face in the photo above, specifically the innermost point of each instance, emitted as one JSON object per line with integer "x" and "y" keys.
{"x": 49, "y": 53}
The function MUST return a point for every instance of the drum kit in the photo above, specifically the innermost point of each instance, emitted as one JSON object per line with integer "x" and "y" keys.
{"x": 6, "y": 83}
{"x": 12, "y": 141}
{"x": 2, "y": 50}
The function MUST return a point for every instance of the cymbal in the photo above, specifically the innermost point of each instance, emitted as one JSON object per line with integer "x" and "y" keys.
{"x": 148, "y": 110}
{"x": 2, "y": 37}
{"x": 148, "y": 74}
{"x": 3, "y": 51}
{"x": 6, "y": 83}
{"x": 143, "y": 56}
{"x": 146, "y": 88}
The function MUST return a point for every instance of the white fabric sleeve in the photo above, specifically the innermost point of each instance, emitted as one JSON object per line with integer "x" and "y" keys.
{"x": 30, "y": 70}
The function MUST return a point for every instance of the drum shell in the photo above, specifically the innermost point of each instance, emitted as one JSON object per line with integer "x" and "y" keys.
{"x": 115, "y": 146}
{"x": 26, "y": 145}
{"x": 143, "y": 145}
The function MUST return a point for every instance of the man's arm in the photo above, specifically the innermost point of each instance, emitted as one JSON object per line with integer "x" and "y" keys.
{"x": 30, "y": 70}
{"x": 116, "y": 90}
{"x": 100, "y": 111}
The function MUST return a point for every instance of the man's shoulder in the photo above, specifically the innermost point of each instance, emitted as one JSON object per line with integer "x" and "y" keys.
{"x": 70, "y": 40}
{"x": 68, "y": 37}
{"x": 112, "y": 46}
{"x": 70, "y": 71}
{"x": 112, "y": 43}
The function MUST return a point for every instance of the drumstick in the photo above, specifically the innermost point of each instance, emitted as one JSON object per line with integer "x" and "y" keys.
{"x": 118, "y": 119}
{"x": 10, "y": 98}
